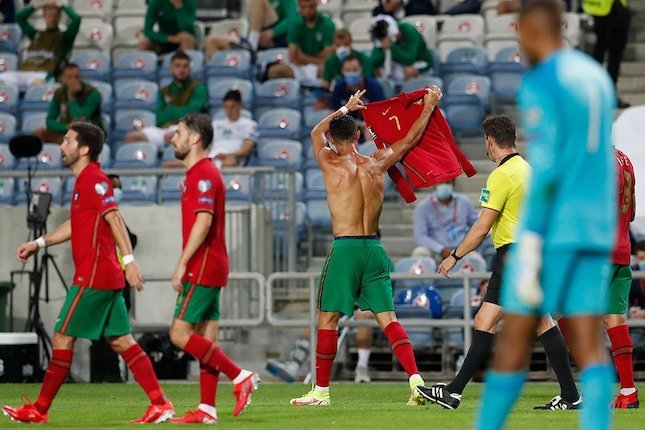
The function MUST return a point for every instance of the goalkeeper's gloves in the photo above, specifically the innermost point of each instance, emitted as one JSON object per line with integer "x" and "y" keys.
{"x": 528, "y": 286}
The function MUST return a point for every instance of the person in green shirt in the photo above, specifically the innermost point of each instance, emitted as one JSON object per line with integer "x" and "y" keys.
{"x": 176, "y": 21}
{"x": 332, "y": 68}
{"x": 75, "y": 100}
{"x": 48, "y": 49}
{"x": 399, "y": 49}
{"x": 269, "y": 22}
{"x": 182, "y": 96}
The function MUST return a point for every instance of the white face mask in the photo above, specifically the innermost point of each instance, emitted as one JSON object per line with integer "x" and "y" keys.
{"x": 342, "y": 52}
{"x": 443, "y": 191}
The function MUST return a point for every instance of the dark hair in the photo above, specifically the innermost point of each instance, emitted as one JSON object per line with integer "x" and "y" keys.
{"x": 351, "y": 57}
{"x": 380, "y": 29}
{"x": 89, "y": 135}
{"x": 200, "y": 123}
{"x": 640, "y": 245}
{"x": 550, "y": 9}
{"x": 233, "y": 95}
{"x": 70, "y": 66}
{"x": 180, "y": 55}
{"x": 343, "y": 128}
{"x": 501, "y": 129}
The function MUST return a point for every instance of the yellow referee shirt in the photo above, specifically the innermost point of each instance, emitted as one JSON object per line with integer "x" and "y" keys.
{"x": 503, "y": 193}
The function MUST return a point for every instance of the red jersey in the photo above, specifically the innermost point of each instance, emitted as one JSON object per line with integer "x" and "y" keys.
{"x": 93, "y": 246}
{"x": 203, "y": 191}
{"x": 626, "y": 185}
{"x": 436, "y": 158}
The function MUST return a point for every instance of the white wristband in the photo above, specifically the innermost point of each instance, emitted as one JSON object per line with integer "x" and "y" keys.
{"x": 41, "y": 242}
{"x": 127, "y": 259}
{"x": 344, "y": 110}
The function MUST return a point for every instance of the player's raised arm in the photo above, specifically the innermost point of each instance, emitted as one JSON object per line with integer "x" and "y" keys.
{"x": 122, "y": 240}
{"x": 198, "y": 234}
{"x": 61, "y": 234}
{"x": 394, "y": 153}
{"x": 319, "y": 132}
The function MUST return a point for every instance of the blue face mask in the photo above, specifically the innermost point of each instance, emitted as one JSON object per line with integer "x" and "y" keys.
{"x": 352, "y": 79}
{"x": 443, "y": 191}
{"x": 342, "y": 52}
{"x": 641, "y": 265}
{"x": 118, "y": 192}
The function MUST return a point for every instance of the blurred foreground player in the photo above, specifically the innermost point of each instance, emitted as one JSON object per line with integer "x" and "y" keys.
{"x": 202, "y": 271}
{"x": 357, "y": 268}
{"x": 94, "y": 305}
{"x": 561, "y": 260}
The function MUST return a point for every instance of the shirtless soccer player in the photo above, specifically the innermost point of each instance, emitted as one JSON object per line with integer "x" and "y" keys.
{"x": 357, "y": 268}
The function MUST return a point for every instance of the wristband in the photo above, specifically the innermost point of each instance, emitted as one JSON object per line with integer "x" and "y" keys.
{"x": 41, "y": 243}
{"x": 127, "y": 259}
{"x": 344, "y": 110}
{"x": 454, "y": 255}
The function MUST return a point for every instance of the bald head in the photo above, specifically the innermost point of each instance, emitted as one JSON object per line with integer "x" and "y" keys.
{"x": 540, "y": 28}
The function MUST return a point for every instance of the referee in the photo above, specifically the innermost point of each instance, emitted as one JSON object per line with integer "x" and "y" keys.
{"x": 501, "y": 201}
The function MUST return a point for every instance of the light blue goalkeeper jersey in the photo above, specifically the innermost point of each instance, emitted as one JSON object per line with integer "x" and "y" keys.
{"x": 566, "y": 104}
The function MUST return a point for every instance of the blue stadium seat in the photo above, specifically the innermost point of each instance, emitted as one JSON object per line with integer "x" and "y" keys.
{"x": 415, "y": 266}
{"x": 419, "y": 338}
{"x": 105, "y": 157}
{"x": 136, "y": 65}
{"x": 472, "y": 262}
{"x": 464, "y": 114}
{"x": 505, "y": 73}
{"x": 129, "y": 120}
{"x": 31, "y": 121}
{"x": 8, "y": 62}
{"x": 238, "y": 186}
{"x": 318, "y": 213}
{"x": 38, "y": 97}
{"x": 48, "y": 158}
{"x": 421, "y": 82}
{"x": 276, "y": 186}
{"x": 218, "y": 87}
{"x": 139, "y": 189}
{"x": 94, "y": 65}
{"x": 168, "y": 153}
{"x": 471, "y": 85}
{"x": 68, "y": 188}
{"x": 315, "y": 185}
{"x": 280, "y": 153}
{"x": 313, "y": 117}
{"x": 389, "y": 87}
{"x": 280, "y": 123}
{"x": 282, "y": 218}
{"x": 367, "y": 148}
{"x": 9, "y": 98}
{"x": 7, "y": 160}
{"x": 7, "y": 191}
{"x": 136, "y": 155}
{"x": 196, "y": 65}
{"x": 7, "y": 126}
{"x": 278, "y": 93}
{"x": 454, "y": 336}
{"x": 170, "y": 191}
{"x": 106, "y": 120}
{"x": 267, "y": 56}
{"x": 105, "y": 89}
{"x": 135, "y": 94}
{"x": 464, "y": 60}
{"x": 230, "y": 63}
{"x": 54, "y": 186}
{"x": 10, "y": 35}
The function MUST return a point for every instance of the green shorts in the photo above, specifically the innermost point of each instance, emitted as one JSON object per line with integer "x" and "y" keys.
{"x": 91, "y": 313}
{"x": 621, "y": 282}
{"x": 357, "y": 269}
{"x": 196, "y": 304}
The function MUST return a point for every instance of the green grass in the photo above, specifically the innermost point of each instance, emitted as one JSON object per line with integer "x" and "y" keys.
{"x": 373, "y": 406}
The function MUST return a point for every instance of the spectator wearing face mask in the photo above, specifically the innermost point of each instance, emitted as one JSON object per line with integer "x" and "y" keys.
{"x": 332, "y": 70}
{"x": 442, "y": 220}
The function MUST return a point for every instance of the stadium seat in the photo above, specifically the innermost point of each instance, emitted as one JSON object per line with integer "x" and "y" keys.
{"x": 332, "y": 8}
{"x": 453, "y": 337}
{"x": 105, "y": 157}
{"x": 101, "y": 9}
{"x": 105, "y": 90}
{"x": 230, "y": 63}
{"x": 139, "y": 189}
{"x": 128, "y": 32}
{"x": 54, "y": 186}
{"x": 465, "y": 60}
{"x": 106, "y": 120}
{"x": 196, "y": 65}
{"x": 7, "y": 126}
{"x": 416, "y": 266}
{"x": 136, "y": 155}
{"x": 388, "y": 86}
{"x": 48, "y": 158}
{"x": 420, "y": 338}
{"x": 10, "y": 36}
{"x": 130, "y": 8}
{"x": 313, "y": 117}
{"x": 231, "y": 27}
{"x": 218, "y": 87}
{"x": 276, "y": 185}
{"x": 280, "y": 123}
{"x": 9, "y": 97}
{"x": 38, "y": 97}
{"x": 472, "y": 85}
{"x": 126, "y": 121}
{"x": 464, "y": 113}
{"x": 170, "y": 191}
{"x": 267, "y": 56}
{"x": 7, "y": 191}
{"x": 168, "y": 154}
{"x": 426, "y": 25}
{"x": 8, "y": 62}
{"x": 315, "y": 184}
{"x": 283, "y": 218}
{"x": 32, "y": 121}
{"x": 360, "y": 29}
{"x": 278, "y": 93}
{"x": 280, "y": 153}
{"x": 238, "y": 186}
{"x": 502, "y": 27}
{"x": 421, "y": 82}
{"x": 135, "y": 94}
{"x": 68, "y": 188}
{"x": 136, "y": 65}
{"x": 7, "y": 160}
{"x": 505, "y": 73}
{"x": 318, "y": 213}
{"x": 360, "y": 6}
{"x": 494, "y": 47}
{"x": 447, "y": 46}
{"x": 367, "y": 148}
{"x": 94, "y": 35}
{"x": 463, "y": 27}
{"x": 94, "y": 65}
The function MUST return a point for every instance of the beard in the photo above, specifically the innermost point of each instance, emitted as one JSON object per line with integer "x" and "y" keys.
{"x": 180, "y": 155}
{"x": 70, "y": 159}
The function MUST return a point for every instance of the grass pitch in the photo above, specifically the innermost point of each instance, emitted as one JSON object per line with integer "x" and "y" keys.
{"x": 367, "y": 406}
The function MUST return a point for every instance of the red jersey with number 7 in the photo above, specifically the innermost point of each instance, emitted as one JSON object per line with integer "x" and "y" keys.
{"x": 626, "y": 186}
{"x": 436, "y": 157}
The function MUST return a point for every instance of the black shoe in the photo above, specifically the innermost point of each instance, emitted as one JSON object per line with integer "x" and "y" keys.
{"x": 440, "y": 395}
{"x": 558, "y": 403}
{"x": 622, "y": 104}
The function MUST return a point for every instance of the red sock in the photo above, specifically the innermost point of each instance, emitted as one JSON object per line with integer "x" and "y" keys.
{"x": 402, "y": 347}
{"x": 57, "y": 372}
{"x": 622, "y": 348}
{"x": 207, "y": 353}
{"x": 141, "y": 367}
{"x": 208, "y": 379}
{"x": 325, "y": 354}
{"x": 564, "y": 329}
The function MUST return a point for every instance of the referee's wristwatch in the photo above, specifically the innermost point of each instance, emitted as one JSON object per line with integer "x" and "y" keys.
{"x": 454, "y": 255}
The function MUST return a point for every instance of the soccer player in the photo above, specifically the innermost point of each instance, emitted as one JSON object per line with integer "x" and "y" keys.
{"x": 501, "y": 200}
{"x": 94, "y": 305}
{"x": 202, "y": 272}
{"x": 357, "y": 268}
{"x": 560, "y": 262}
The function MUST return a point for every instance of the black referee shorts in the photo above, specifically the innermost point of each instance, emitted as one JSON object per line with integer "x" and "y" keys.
{"x": 495, "y": 282}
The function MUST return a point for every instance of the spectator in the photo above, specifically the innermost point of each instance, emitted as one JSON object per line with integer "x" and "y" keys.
{"x": 400, "y": 8}
{"x": 182, "y": 96}
{"x": 175, "y": 19}
{"x": 75, "y": 100}
{"x": 442, "y": 220}
{"x": 48, "y": 50}
{"x": 269, "y": 22}
{"x": 399, "y": 49}
{"x": 332, "y": 69}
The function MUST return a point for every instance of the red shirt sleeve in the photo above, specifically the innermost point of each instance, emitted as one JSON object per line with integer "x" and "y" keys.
{"x": 202, "y": 193}
{"x": 102, "y": 195}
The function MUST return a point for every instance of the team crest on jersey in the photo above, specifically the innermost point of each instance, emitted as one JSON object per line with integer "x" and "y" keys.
{"x": 484, "y": 197}
{"x": 204, "y": 185}
{"x": 371, "y": 133}
{"x": 101, "y": 188}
